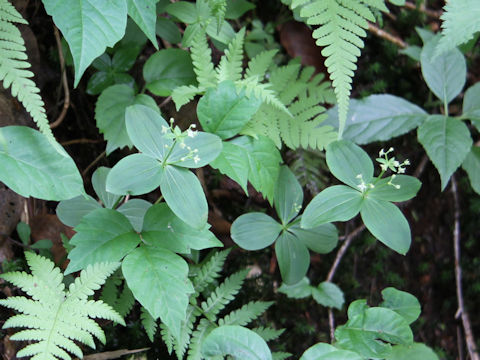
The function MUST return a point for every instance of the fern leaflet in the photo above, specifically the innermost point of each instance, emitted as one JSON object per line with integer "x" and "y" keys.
{"x": 246, "y": 313}
{"x": 218, "y": 9}
{"x": 167, "y": 337}
{"x": 186, "y": 330}
{"x": 230, "y": 67}
{"x": 268, "y": 333}
{"x": 259, "y": 65}
{"x": 209, "y": 271}
{"x": 202, "y": 62}
{"x": 203, "y": 329}
{"x": 280, "y": 355}
{"x": 149, "y": 324}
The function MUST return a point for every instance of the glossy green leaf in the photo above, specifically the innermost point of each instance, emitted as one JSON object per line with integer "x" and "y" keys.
{"x": 300, "y": 290}
{"x": 236, "y": 8}
{"x": 104, "y": 235}
{"x": 184, "y": 11}
{"x": 101, "y": 80}
{"x": 471, "y": 165}
{"x": 445, "y": 75}
{"x": 233, "y": 162}
{"x": 409, "y": 187}
{"x": 414, "y": 351}
{"x": 255, "y": 231}
{"x": 207, "y": 147}
{"x": 237, "y": 341}
{"x": 124, "y": 57}
{"x": 402, "y": 303}
{"x": 144, "y": 127}
{"x": 335, "y": 203}
{"x": 144, "y": 14}
{"x": 32, "y": 166}
{"x": 159, "y": 280}
{"x": 135, "y": 174}
{"x": 346, "y": 161}
{"x": 447, "y": 142}
{"x": 321, "y": 239}
{"x": 134, "y": 210}
{"x": 264, "y": 163}
{"x": 293, "y": 258}
{"x": 471, "y": 104}
{"x": 99, "y": 182}
{"x": 167, "y": 69}
{"x": 161, "y": 228}
{"x": 71, "y": 211}
{"x": 184, "y": 195}
{"x": 288, "y": 195}
{"x": 166, "y": 29}
{"x": 224, "y": 112}
{"x": 322, "y": 351}
{"x": 378, "y": 118}
{"x": 89, "y": 27}
{"x": 357, "y": 307}
{"x": 387, "y": 223}
{"x": 110, "y": 114}
{"x": 328, "y": 294}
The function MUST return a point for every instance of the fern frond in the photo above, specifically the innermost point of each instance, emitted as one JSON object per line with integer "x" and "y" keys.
{"x": 342, "y": 25}
{"x": 268, "y": 333}
{"x": 203, "y": 329}
{"x": 167, "y": 337}
{"x": 253, "y": 87}
{"x": 186, "y": 330}
{"x": 223, "y": 294}
{"x": 201, "y": 55}
{"x": 280, "y": 355}
{"x": 182, "y": 95}
{"x": 125, "y": 302}
{"x": 218, "y": 9}
{"x": 209, "y": 271}
{"x": 230, "y": 67}
{"x": 149, "y": 324}
{"x": 56, "y": 318}
{"x": 460, "y": 23}
{"x": 246, "y": 314}
{"x": 13, "y": 65}
{"x": 109, "y": 293}
{"x": 259, "y": 65}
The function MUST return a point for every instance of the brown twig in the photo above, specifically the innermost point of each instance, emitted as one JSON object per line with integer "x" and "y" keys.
{"x": 467, "y": 328}
{"x": 331, "y": 324}
{"x": 80, "y": 141}
{"x": 432, "y": 13}
{"x": 165, "y": 102}
{"x": 386, "y": 35}
{"x": 66, "y": 101}
{"x": 92, "y": 164}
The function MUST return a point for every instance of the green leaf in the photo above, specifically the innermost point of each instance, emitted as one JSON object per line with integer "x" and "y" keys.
{"x": 104, "y": 235}
{"x": 161, "y": 228}
{"x": 293, "y": 258}
{"x": 207, "y": 146}
{"x": 321, "y": 239}
{"x": 135, "y": 174}
{"x": 445, "y": 75}
{"x": 184, "y": 195}
{"x": 99, "y": 181}
{"x": 264, "y": 163}
{"x": 89, "y": 27}
{"x": 166, "y": 29}
{"x": 134, "y": 210}
{"x": 328, "y": 294}
{"x": 236, "y": 8}
{"x": 110, "y": 114}
{"x": 378, "y": 118}
{"x": 158, "y": 279}
{"x": 288, "y": 195}
{"x": 387, "y": 223}
{"x": 357, "y": 307}
{"x": 402, "y": 303}
{"x": 409, "y": 187}
{"x": 184, "y": 11}
{"x": 300, "y": 290}
{"x": 101, "y": 80}
{"x": 144, "y": 127}
{"x": 255, "y": 231}
{"x": 71, "y": 211}
{"x": 322, "y": 351}
{"x": 32, "y": 166}
{"x": 447, "y": 142}
{"x": 24, "y": 232}
{"x": 471, "y": 165}
{"x": 167, "y": 69}
{"x": 125, "y": 57}
{"x": 144, "y": 14}
{"x": 471, "y": 104}
{"x": 42, "y": 244}
{"x": 224, "y": 112}
{"x": 346, "y": 161}
{"x": 233, "y": 162}
{"x": 335, "y": 203}
{"x": 238, "y": 342}
{"x": 414, "y": 351}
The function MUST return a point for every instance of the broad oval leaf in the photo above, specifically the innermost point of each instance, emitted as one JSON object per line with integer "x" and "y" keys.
{"x": 322, "y": 351}
{"x": 224, "y": 112}
{"x": 206, "y": 146}
{"x": 387, "y": 223}
{"x": 471, "y": 165}
{"x": 159, "y": 280}
{"x": 414, "y": 351}
{"x": 32, "y": 166}
{"x": 134, "y": 210}
{"x": 328, "y": 294}
{"x": 184, "y": 195}
{"x": 335, "y": 203}
{"x": 89, "y": 26}
{"x": 104, "y": 235}
{"x": 447, "y": 142}
{"x": 237, "y": 341}
{"x": 288, "y": 198}
{"x": 300, "y": 290}
{"x": 347, "y": 161}
{"x": 167, "y": 69}
{"x": 401, "y": 302}
{"x": 471, "y": 105}
{"x": 135, "y": 174}
{"x": 293, "y": 258}
{"x": 144, "y": 14}
{"x": 233, "y": 162}
{"x": 146, "y": 128}
{"x": 71, "y": 211}
{"x": 445, "y": 75}
{"x": 255, "y": 231}
{"x": 409, "y": 187}
{"x": 321, "y": 239}
{"x": 99, "y": 182}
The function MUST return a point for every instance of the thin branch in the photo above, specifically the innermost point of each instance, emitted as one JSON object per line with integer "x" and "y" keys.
{"x": 387, "y": 36}
{"x": 432, "y": 13}
{"x": 66, "y": 101}
{"x": 467, "y": 327}
{"x": 80, "y": 141}
{"x": 92, "y": 164}
{"x": 331, "y": 324}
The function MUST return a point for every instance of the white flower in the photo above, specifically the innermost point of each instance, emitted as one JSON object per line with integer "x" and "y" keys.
{"x": 196, "y": 159}
{"x": 164, "y": 129}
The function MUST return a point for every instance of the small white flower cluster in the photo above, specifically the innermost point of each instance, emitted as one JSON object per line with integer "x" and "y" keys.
{"x": 179, "y": 136}
{"x": 363, "y": 186}
{"x": 392, "y": 164}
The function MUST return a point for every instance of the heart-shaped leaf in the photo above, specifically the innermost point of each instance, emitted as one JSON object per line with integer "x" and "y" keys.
{"x": 328, "y": 294}
{"x": 401, "y": 302}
